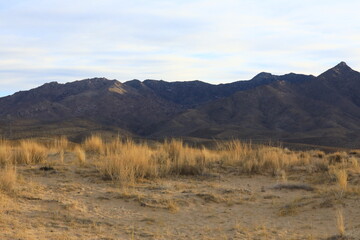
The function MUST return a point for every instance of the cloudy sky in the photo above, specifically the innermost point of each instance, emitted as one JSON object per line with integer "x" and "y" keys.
{"x": 216, "y": 41}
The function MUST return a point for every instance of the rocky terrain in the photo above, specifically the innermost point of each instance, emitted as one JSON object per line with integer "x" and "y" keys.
{"x": 294, "y": 108}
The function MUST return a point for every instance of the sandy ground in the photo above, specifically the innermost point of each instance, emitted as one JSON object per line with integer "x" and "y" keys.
{"x": 74, "y": 202}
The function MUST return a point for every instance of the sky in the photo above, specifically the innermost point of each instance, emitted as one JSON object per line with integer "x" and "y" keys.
{"x": 215, "y": 41}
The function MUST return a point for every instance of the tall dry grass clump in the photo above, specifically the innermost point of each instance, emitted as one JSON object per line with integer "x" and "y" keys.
{"x": 337, "y": 157}
{"x": 174, "y": 157}
{"x": 114, "y": 147}
{"x": 342, "y": 178}
{"x": 8, "y": 178}
{"x": 234, "y": 152}
{"x": 257, "y": 158}
{"x": 60, "y": 143}
{"x": 94, "y": 144}
{"x": 127, "y": 161}
{"x": 354, "y": 163}
{"x": 130, "y": 162}
{"x": 274, "y": 160}
{"x": 30, "y": 152}
{"x": 5, "y": 154}
{"x": 80, "y": 155}
{"x": 340, "y": 223}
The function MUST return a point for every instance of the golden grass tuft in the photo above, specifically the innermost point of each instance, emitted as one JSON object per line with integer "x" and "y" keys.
{"x": 176, "y": 158}
{"x": 130, "y": 162}
{"x": 291, "y": 209}
{"x": 337, "y": 157}
{"x": 259, "y": 159}
{"x": 172, "y": 206}
{"x": 94, "y": 144}
{"x": 5, "y": 154}
{"x": 30, "y": 152}
{"x": 340, "y": 224}
{"x": 127, "y": 161}
{"x": 61, "y": 156}
{"x": 342, "y": 178}
{"x": 60, "y": 143}
{"x": 317, "y": 153}
{"x": 8, "y": 178}
{"x": 354, "y": 163}
{"x": 80, "y": 155}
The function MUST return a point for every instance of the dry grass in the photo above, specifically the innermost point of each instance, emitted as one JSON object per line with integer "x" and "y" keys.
{"x": 354, "y": 163}
{"x": 289, "y": 210}
{"x": 30, "y": 152}
{"x": 354, "y": 152}
{"x": 8, "y": 178}
{"x": 178, "y": 158}
{"x": 129, "y": 162}
{"x": 340, "y": 222}
{"x": 259, "y": 159}
{"x": 61, "y": 156}
{"x": 342, "y": 178}
{"x": 5, "y": 154}
{"x": 337, "y": 157}
{"x": 60, "y": 143}
{"x": 94, "y": 144}
{"x": 59, "y": 146}
{"x": 172, "y": 206}
{"x": 126, "y": 161}
{"x": 131, "y": 165}
{"x": 317, "y": 153}
{"x": 80, "y": 155}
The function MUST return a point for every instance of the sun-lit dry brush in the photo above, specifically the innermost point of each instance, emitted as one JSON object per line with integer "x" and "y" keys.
{"x": 255, "y": 159}
{"x": 127, "y": 160}
{"x": 8, "y": 179}
{"x": 5, "y": 153}
{"x": 174, "y": 176}
{"x": 80, "y": 155}
{"x": 94, "y": 144}
{"x": 29, "y": 152}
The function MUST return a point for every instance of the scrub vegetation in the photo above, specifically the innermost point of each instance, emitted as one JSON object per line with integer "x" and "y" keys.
{"x": 125, "y": 189}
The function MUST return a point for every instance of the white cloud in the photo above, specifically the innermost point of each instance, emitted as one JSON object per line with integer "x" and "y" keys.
{"x": 210, "y": 40}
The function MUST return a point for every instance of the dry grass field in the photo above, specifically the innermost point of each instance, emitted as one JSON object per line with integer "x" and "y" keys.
{"x": 121, "y": 189}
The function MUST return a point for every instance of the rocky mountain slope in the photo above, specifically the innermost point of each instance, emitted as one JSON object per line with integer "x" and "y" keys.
{"x": 323, "y": 110}
{"x": 109, "y": 104}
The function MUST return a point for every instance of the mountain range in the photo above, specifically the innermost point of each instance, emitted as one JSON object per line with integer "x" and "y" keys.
{"x": 294, "y": 108}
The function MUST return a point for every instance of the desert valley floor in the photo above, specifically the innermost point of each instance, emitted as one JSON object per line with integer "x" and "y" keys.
{"x": 68, "y": 199}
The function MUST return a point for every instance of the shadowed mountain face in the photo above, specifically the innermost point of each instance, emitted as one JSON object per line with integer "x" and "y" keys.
{"x": 323, "y": 110}
{"x": 193, "y": 93}
{"x": 106, "y": 103}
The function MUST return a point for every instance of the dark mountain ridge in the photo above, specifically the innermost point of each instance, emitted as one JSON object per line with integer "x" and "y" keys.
{"x": 323, "y": 110}
{"x": 193, "y": 93}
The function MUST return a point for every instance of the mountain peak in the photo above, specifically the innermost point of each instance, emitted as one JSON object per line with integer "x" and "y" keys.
{"x": 96, "y": 79}
{"x": 263, "y": 75}
{"x": 342, "y": 66}
{"x": 342, "y": 63}
{"x": 340, "y": 69}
